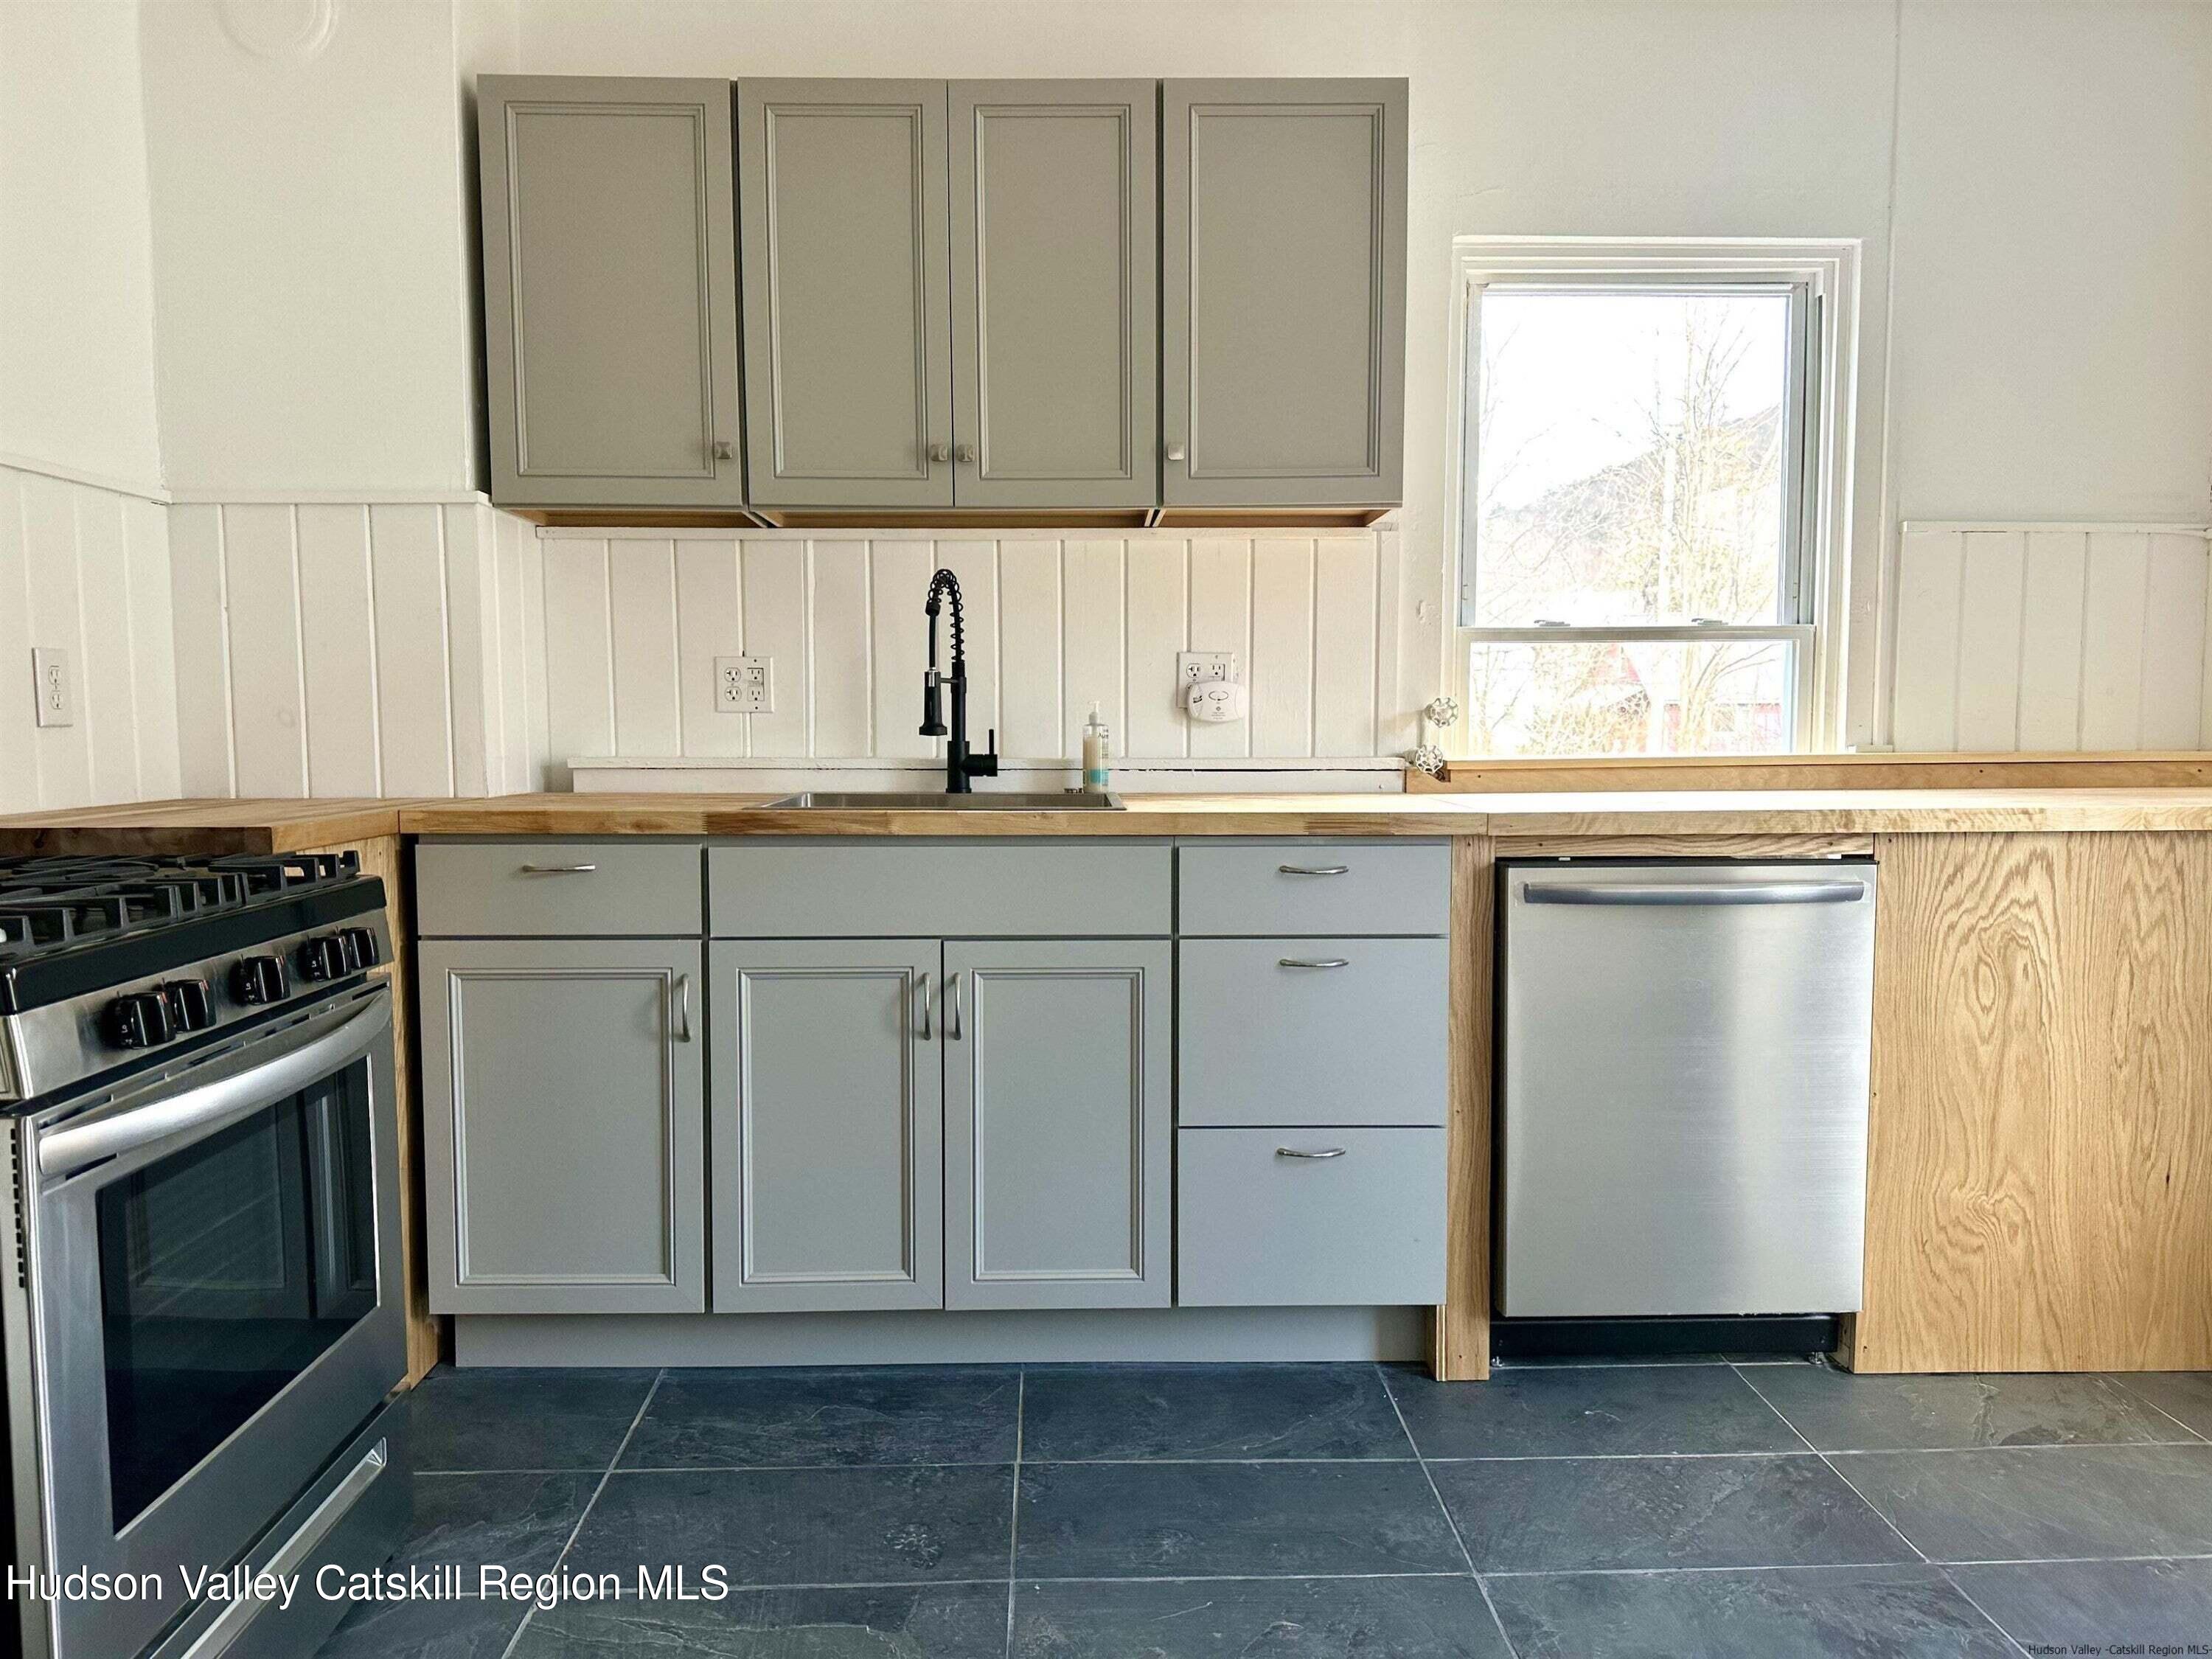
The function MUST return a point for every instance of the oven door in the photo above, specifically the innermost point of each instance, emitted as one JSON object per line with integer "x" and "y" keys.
{"x": 216, "y": 1293}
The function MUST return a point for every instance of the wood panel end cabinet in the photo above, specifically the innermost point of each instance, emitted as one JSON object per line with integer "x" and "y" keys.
{"x": 611, "y": 291}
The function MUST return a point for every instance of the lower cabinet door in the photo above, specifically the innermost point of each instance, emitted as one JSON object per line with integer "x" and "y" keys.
{"x": 827, "y": 1125}
{"x": 562, "y": 1125}
{"x": 1058, "y": 1123}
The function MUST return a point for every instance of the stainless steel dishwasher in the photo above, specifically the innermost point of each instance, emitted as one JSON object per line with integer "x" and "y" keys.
{"x": 1683, "y": 1052}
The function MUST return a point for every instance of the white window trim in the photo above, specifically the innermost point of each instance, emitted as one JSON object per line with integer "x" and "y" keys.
{"x": 1830, "y": 269}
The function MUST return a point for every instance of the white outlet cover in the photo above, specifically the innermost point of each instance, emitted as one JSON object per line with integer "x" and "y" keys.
{"x": 744, "y": 685}
{"x": 1197, "y": 667}
{"x": 56, "y": 683}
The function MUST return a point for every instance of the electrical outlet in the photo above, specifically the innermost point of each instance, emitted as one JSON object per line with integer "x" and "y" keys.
{"x": 56, "y": 686}
{"x": 744, "y": 685}
{"x": 1197, "y": 667}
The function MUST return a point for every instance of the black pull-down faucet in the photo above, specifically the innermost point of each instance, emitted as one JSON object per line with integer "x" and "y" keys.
{"x": 959, "y": 764}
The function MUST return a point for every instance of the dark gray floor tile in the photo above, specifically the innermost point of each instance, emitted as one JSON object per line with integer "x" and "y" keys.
{"x": 770, "y": 1527}
{"x": 2097, "y": 1606}
{"x": 920, "y": 1621}
{"x": 1077, "y": 1412}
{"x": 740, "y": 1419}
{"x": 1579, "y": 1514}
{"x": 523, "y": 1419}
{"x": 1201, "y": 1520}
{"x": 2047, "y": 1503}
{"x": 1281, "y": 1618}
{"x": 1549, "y": 1412}
{"x": 517, "y": 1521}
{"x": 2185, "y": 1395}
{"x": 1871, "y": 1613}
{"x": 1838, "y": 1411}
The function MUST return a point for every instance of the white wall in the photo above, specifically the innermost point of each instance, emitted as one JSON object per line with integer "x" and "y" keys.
{"x": 76, "y": 316}
{"x": 312, "y": 291}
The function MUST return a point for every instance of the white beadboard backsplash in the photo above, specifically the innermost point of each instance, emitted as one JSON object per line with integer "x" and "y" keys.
{"x": 2051, "y": 638}
{"x": 356, "y": 648}
{"x": 87, "y": 569}
{"x": 634, "y": 619}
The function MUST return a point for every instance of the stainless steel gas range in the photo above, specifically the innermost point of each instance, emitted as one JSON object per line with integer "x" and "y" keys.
{"x": 201, "y": 1302}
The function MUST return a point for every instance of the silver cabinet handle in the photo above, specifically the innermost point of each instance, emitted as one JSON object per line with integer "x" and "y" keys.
{"x": 684, "y": 1007}
{"x": 556, "y": 869}
{"x": 1174, "y": 452}
{"x": 1323, "y": 1152}
{"x": 1314, "y": 869}
{"x": 722, "y": 450}
{"x": 928, "y": 992}
{"x": 953, "y": 1024}
{"x": 1764, "y": 893}
{"x": 1312, "y": 962}
{"x": 964, "y": 453}
{"x": 938, "y": 454}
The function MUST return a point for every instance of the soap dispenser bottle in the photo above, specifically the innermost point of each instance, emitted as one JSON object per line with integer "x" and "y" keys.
{"x": 1096, "y": 739}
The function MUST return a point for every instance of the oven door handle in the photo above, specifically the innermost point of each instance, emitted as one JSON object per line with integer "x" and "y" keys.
{"x": 65, "y": 1150}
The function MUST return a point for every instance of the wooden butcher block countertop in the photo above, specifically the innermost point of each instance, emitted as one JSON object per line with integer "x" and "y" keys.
{"x": 275, "y": 826}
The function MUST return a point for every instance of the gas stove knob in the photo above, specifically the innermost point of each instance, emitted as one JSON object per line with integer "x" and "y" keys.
{"x": 140, "y": 1020}
{"x": 191, "y": 1004}
{"x": 322, "y": 959}
{"x": 360, "y": 947}
{"x": 258, "y": 981}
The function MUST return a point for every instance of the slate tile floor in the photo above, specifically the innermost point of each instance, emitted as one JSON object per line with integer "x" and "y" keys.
{"x": 1707, "y": 1508}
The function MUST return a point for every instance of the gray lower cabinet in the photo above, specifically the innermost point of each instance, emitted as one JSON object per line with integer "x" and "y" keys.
{"x": 827, "y": 1125}
{"x": 1283, "y": 286}
{"x": 1055, "y": 283}
{"x": 611, "y": 291}
{"x": 1058, "y": 1123}
{"x": 563, "y": 1124}
{"x": 847, "y": 348}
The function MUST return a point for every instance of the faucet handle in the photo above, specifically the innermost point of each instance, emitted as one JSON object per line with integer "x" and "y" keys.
{"x": 986, "y": 765}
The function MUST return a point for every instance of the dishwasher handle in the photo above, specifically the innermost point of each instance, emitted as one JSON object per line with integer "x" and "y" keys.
{"x": 1678, "y": 893}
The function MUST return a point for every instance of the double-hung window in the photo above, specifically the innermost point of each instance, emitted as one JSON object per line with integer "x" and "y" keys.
{"x": 1646, "y": 503}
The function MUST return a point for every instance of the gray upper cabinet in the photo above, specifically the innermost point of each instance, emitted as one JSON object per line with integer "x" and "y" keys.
{"x": 562, "y": 1125}
{"x": 1058, "y": 1130}
{"x": 611, "y": 291}
{"x": 1283, "y": 283}
{"x": 828, "y": 1123}
{"x": 1056, "y": 336}
{"x": 847, "y": 333}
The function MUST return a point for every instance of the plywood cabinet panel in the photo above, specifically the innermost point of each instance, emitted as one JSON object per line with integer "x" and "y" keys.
{"x": 610, "y": 290}
{"x": 2040, "y": 1155}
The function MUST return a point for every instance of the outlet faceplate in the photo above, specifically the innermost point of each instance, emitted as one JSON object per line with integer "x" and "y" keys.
{"x": 56, "y": 686}
{"x": 1197, "y": 667}
{"x": 744, "y": 685}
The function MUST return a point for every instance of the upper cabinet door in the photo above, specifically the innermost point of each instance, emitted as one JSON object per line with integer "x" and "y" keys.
{"x": 1056, "y": 336}
{"x": 847, "y": 340}
{"x": 1283, "y": 272}
{"x": 611, "y": 291}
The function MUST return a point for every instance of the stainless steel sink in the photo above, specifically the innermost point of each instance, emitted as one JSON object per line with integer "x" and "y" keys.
{"x": 997, "y": 800}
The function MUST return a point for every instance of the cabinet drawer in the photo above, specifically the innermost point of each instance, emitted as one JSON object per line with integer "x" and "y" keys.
{"x": 577, "y": 889}
{"x": 1316, "y": 887}
{"x": 1264, "y": 1041}
{"x": 1258, "y": 1226}
{"x": 909, "y": 890}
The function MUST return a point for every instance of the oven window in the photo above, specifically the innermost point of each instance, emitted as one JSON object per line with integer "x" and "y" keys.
{"x": 226, "y": 1269}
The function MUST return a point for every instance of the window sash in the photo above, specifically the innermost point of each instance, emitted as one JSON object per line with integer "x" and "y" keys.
{"x": 1801, "y": 396}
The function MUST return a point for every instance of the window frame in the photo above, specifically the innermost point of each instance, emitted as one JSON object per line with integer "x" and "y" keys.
{"x": 1822, "y": 279}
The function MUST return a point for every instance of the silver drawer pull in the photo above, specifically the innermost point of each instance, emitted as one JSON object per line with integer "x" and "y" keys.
{"x": 1312, "y": 962}
{"x": 1314, "y": 869}
{"x": 684, "y": 1007}
{"x": 556, "y": 869}
{"x": 1324, "y": 1151}
{"x": 1674, "y": 893}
